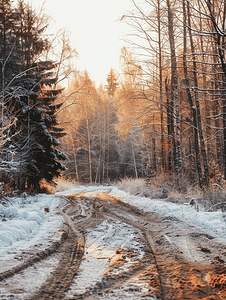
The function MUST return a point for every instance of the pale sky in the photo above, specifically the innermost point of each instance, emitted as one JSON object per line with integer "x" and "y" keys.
{"x": 95, "y": 34}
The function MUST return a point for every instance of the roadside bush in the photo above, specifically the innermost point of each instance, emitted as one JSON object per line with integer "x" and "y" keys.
{"x": 215, "y": 197}
{"x": 65, "y": 184}
{"x": 136, "y": 187}
{"x": 177, "y": 190}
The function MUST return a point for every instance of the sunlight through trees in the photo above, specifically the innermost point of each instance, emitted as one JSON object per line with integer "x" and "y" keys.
{"x": 165, "y": 112}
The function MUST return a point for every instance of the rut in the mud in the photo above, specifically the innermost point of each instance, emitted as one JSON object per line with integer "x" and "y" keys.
{"x": 183, "y": 268}
{"x": 62, "y": 277}
{"x": 139, "y": 256}
{"x": 36, "y": 257}
{"x": 184, "y": 261}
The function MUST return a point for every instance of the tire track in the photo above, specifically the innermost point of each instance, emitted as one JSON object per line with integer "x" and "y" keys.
{"x": 62, "y": 278}
{"x": 150, "y": 245}
{"x": 176, "y": 273}
{"x": 168, "y": 272}
{"x": 100, "y": 210}
{"x": 107, "y": 288}
{"x": 35, "y": 259}
{"x": 109, "y": 283}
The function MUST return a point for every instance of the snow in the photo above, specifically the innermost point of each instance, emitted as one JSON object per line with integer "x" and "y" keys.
{"x": 212, "y": 223}
{"x": 101, "y": 245}
{"x": 28, "y": 281}
{"x": 33, "y": 222}
{"x": 79, "y": 189}
{"x": 28, "y": 222}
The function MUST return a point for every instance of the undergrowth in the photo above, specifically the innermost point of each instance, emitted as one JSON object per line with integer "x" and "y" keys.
{"x": 169, "y": 188}
{"x": 65, "y": 184}
{"x": 177, "y": 190}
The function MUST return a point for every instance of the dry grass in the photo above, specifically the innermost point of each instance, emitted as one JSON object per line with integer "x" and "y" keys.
{"x": 135, "y": 187}
{"x": 168, "y": 188}
{"x": 64, "y": 184}
{"x": 47, "y": 188}
{"x": 161, "y": 187}
{"x": 177, "y": 190}
{"x": 215, "y": 194}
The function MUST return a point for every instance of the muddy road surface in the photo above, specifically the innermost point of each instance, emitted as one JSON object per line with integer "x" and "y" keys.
{"x": 111, "y": 250}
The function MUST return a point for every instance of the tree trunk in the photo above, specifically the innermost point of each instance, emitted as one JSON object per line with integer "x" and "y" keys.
{"x": 170, "y": 127}
{"x": 108, "y": 139}
{"x": 75, "y": 156}
{"x": 199, "y": 121}
{"x": 193, "y": 110}
{"x": 224, "y": 123}
{"x": 163, "y": 162}
{"x": 89, "y": 149}
{"x": 204, "y": 69}
{"x": 104, "y": 144}
{"x": 174, "y": 87}
{"x": 98, "y": 171}
{"x": 134, "y": 161}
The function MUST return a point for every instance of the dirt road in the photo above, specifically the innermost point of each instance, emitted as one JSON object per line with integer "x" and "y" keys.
{"x": 111, "y": 250}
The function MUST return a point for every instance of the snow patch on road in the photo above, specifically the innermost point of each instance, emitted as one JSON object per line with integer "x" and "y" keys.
{"x": 79, "y": 189}
{"x": 101, "y": 245}
{"x": 22, "y": 285}
{"x": 212, "y": 223}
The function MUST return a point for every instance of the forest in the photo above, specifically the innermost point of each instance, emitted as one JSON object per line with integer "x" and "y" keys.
{"x": 164, "y": 112}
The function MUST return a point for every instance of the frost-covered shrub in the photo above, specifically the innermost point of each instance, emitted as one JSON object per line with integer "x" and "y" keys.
{"x": 63, "y": 184}
{"x": 215, "y": 197}
{"x": 177, "y": 190}
{"x": 137, "y": 187}
{"x": 163, "y": 187}
{"x": 176, "y": 197}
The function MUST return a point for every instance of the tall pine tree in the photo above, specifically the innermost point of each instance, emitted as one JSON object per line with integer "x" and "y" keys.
{"x": 31, "y": 97}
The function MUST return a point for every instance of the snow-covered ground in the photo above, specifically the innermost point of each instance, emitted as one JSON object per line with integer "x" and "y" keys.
{"x": 212, "y": 223}
{"x": 26, "y": 282}
{"x": 101, "y": 245}
{"x": 34, "y": 221}
{"x": 28, "y": 222}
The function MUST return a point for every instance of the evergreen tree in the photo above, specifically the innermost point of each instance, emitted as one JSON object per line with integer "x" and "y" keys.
{"x": 7, "y": 44}
{"x": 31, "y": 96}
{"x": 112, "y": 83}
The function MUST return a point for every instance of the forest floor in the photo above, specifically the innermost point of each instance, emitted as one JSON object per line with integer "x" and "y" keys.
{"x": 101, "y": 243}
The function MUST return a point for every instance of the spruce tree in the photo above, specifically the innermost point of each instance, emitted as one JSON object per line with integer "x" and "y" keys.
{"x": 31, "y": 97}
{"x": 9, "y": 67}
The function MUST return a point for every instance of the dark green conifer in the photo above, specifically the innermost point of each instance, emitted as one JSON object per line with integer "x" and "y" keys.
{"x": 31, "y": 93}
